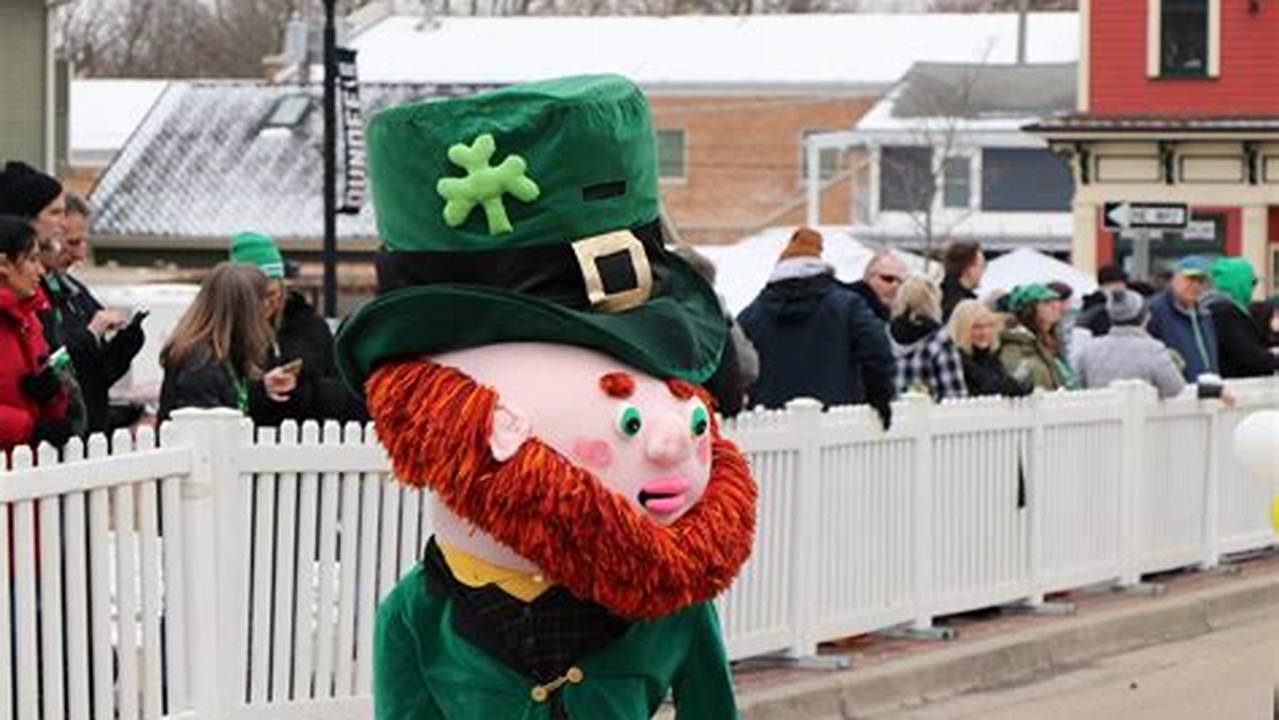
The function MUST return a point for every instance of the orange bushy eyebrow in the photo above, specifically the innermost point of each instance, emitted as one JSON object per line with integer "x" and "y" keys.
{"x": 618, "y": 385}
{"x": 681, "y": 389}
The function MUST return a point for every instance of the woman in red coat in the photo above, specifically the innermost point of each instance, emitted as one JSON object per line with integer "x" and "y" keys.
{"x": 33, "y": 400}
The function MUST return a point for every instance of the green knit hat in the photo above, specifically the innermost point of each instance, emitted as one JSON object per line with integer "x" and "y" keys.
{"x": 529, "y": 213}
{"x": 258, "y": 249}
{"x": 1024, "y": 295}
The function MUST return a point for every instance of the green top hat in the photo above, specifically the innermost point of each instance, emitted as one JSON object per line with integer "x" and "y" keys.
{"x": 529, "y": 213}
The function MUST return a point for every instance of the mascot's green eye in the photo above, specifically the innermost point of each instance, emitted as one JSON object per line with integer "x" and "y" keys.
{"x": 629, "y": 422}
{"x": 701, "y": 421}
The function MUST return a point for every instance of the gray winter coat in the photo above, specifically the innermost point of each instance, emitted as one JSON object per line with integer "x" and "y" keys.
{"x": 1129, "y": 353}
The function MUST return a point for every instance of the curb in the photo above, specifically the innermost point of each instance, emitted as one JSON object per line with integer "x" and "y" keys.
{"x": 862, "y": 694}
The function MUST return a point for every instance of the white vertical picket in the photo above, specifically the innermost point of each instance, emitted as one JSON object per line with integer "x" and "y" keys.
{"x": 175, "y": 590}
{"x": 286, "y": 509}
{"x": 389, "y": 541}
{"x": 367, "y": 593}
{"x": 127, "y": 592}
{"x": 304, "y": 608}
{"x": 149, "y": 541}
{"x": 100, "y": 591}
{"x": 348, "y": 573}
{"x": 324, "y": 620}
{"x": 24, "y": 581}
{"x": 7, "y": 632}
{"x": 50, "y": 581}
{"x": 263, "y": 561}
{"x": 410, "y": 517}
{"x": 77, "y": 593}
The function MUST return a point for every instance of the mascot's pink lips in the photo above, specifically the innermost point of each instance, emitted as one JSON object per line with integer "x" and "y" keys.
{"x": 665, "y": 495}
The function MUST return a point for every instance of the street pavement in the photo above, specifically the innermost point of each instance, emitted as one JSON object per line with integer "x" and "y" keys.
{"x": 1225, "y": 675}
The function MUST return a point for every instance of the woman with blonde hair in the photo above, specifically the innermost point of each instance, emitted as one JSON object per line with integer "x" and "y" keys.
{"x": 213, "y": 357}
{"x": 926, "y": 356}
{"x": 975, "y": 330}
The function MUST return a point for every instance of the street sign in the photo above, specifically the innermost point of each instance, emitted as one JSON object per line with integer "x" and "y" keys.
{"x": 1149, "y": 216}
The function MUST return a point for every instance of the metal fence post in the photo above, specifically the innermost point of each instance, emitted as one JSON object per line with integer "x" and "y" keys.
{"x": 806, "y": 417}
{"x": 214, "y": 558}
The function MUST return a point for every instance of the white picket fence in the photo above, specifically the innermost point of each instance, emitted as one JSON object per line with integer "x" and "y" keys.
{"x": 224, "y": 574}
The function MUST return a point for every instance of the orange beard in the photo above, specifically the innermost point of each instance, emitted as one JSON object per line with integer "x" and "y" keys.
{"x": 435, "y": 422}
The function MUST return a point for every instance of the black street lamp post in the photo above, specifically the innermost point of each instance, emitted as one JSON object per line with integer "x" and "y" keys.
{"x": 330, "y": 160}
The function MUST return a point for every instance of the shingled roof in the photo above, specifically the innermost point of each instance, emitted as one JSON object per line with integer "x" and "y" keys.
{"x": 208, "y": 162}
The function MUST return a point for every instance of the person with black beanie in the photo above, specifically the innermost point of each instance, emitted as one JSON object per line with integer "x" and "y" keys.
{"x": 28, "y": 193}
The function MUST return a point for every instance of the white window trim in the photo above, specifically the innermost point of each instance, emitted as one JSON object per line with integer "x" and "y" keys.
{"x": 803, "y": 155}
{"x": 1154, "y": 38}
{"x": 669, "y": 179}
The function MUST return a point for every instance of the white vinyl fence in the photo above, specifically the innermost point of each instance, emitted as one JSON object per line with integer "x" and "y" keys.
{"x": 221, "y": 573}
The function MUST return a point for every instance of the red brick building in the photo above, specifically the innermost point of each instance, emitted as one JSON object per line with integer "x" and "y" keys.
{"x": 1178, "y": 102}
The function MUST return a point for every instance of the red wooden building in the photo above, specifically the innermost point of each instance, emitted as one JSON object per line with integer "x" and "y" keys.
{"x": 1178, "y": 103}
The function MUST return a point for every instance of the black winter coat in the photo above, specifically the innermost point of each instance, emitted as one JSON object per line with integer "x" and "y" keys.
{"x": 1240, "y": 343}
{"x": 816, "y": 338}
{"x": 953, "y": 293}
{"x": 881, "y": 311}
{"x": 321, "y": 395}
{"x": 1094, "y": 317}
{"x": 985, "y": 375}
{"x": 99, "y": 364}
{"x": 203, "y": 382}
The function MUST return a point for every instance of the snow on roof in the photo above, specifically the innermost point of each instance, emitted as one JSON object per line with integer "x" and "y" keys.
{"x": 1024, "y": 265}
{"x": 757, "y": 50}
{"x": 202, "y": 165}
{"x": 743, "y": 269}
{"x": 104, "y": 113}
{"x": 934, "y": 97}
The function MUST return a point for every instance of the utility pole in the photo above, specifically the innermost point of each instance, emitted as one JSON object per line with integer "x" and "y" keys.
{"x": 330, "y": 160}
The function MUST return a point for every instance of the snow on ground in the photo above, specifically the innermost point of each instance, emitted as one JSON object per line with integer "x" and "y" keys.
{"x": 849, "y": 49}
{"x": 1024, "y": 265}
{"x": 743, "y": 269}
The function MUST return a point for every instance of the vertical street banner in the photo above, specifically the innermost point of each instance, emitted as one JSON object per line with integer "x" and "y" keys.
{"x": 355, "y": 184}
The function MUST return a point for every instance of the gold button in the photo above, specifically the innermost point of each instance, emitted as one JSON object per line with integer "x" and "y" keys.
{"x": 539, "y": 579}
{"x": 575, "y": 675}
{"x": 539, "y": 694}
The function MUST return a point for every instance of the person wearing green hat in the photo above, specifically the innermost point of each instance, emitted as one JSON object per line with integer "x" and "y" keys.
{"x": 300, "y": 337}
{"x": 533, "y": 358}
{"x": 1031, "y": 350}
{"x": 1179, "y": 320}
{"x": 1240, "y": 344}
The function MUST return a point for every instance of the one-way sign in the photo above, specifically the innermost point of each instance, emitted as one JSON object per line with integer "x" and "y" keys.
{"x": 1145, "y": 216}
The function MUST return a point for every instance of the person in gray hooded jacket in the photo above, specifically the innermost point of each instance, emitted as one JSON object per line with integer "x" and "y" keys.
{"x": 1128, "y": 352}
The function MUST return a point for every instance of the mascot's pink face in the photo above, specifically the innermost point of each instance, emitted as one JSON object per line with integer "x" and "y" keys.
{"x": 635, "y": 433}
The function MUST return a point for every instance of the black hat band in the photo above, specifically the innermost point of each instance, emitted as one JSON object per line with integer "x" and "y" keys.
{"x": 610, "y": 273}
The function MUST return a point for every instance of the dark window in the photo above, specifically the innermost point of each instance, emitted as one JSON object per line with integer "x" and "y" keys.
{"x": 828, "y": 159}
{"x": 670, "y": 154}
{"x": 957, "y": 183}
{"x": 1184, "y": 40}
{"x": 906, "y": 178}
{"x": 1024, "y": 180}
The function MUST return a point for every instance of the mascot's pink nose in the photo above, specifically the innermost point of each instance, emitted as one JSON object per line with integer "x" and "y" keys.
{"x": 669, "y": 443}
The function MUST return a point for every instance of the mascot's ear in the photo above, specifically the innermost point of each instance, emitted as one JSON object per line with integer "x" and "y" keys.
{"x": 511, "y": 427}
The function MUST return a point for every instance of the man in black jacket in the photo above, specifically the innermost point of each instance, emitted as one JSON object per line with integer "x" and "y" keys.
{"x": 880, "y": 283}
{"x": 1093, "y": 317}
{"x": 300, "y": 334}
{"x": 816, "y": 338}
{"x": 102, "y": 343}
{"x": 965, "y": 265}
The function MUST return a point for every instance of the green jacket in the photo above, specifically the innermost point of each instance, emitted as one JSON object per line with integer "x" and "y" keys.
{"x": 424, "y": 670}
{"x": 1024, "y": 359}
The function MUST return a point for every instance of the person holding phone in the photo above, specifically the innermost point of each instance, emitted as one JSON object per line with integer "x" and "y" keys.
{"x": 300, "y": 336}
{"x": 214, "y": 357}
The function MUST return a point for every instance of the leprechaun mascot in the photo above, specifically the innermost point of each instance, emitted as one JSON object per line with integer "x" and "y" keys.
{"x": 532, "y": 358}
